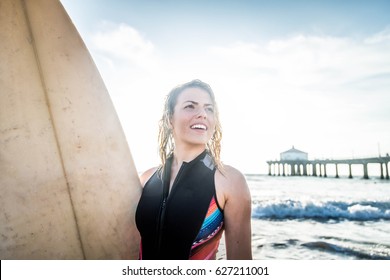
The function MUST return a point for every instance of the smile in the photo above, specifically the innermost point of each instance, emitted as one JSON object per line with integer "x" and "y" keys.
{"x": 199, "y": 126}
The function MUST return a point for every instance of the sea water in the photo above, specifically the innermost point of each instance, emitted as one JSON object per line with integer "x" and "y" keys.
{"x": 319, "y": 218}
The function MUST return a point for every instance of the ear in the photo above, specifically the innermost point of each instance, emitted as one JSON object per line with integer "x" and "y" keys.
{"x": 170, "y": 123}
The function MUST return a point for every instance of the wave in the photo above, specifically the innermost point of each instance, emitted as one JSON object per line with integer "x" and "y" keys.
{"x": 329, "y": 210}
{"x": 338, "y": 249}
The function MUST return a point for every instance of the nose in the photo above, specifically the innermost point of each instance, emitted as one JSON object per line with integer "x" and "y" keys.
{"x": 202, "y": 113}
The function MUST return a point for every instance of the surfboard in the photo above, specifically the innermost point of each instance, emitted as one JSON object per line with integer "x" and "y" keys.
{"x": 68, "y": 184}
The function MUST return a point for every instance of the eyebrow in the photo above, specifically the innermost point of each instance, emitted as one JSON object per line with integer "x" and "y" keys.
{"x": 196, "y": 103}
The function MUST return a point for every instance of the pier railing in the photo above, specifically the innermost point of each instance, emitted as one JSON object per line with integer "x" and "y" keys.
{"x": 319, "y": 166}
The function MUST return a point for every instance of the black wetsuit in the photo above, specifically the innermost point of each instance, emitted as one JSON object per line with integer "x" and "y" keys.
{"x": 169, "y": 223}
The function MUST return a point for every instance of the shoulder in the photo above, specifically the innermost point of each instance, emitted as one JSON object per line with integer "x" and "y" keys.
{"x": 145, "y": 176}
{"x": 231, "y": 177}
{"x": 230, "y": 184}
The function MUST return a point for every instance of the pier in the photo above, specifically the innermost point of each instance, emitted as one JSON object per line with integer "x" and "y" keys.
{"x": 304, "y": 167}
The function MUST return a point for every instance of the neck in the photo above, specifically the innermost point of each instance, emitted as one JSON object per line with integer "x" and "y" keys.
{"x": 182, "y": 154}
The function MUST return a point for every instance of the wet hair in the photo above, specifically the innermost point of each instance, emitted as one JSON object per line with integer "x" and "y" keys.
{"x": 165, "y": 137}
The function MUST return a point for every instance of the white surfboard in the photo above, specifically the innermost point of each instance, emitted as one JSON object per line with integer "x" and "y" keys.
{"x": 68, "y": 184}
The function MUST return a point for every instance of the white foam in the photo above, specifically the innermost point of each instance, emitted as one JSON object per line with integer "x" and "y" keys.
{"x": 291, "y": 209}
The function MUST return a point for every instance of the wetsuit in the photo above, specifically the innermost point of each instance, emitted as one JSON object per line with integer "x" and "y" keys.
{"x": 186, "y": 223}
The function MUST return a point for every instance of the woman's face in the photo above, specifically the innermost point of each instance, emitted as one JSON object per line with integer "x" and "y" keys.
{"x": 193, "y": 121}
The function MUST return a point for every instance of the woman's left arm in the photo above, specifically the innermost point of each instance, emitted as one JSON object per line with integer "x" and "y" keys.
{"x": 237, "y": 215}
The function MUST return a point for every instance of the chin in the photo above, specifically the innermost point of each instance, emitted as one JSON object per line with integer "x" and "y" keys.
{"x": 198, "y": 142}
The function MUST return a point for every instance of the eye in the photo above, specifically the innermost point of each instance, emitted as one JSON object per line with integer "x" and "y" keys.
{"x": 189, "y": 106}
{"x": 210, "y": 109}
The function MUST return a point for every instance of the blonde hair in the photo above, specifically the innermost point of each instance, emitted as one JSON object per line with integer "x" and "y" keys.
{"x": 165, "y": 137}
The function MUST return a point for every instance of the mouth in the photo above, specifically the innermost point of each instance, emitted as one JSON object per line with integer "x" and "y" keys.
{"x": 199, "y": 126}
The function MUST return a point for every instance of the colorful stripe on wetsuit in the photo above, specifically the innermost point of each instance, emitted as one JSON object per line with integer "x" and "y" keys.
{"x": 206, "y": 243}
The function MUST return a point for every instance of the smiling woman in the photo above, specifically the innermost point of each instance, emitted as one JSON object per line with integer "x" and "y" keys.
{"x": 181, "y": 97}
{"x": 192, "y": 197}
{"x": 194, "y": 122}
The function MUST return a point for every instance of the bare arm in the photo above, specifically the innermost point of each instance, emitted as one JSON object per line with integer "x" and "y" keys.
{"x": 144, "y": 177}
{"x": 237, "y": 214}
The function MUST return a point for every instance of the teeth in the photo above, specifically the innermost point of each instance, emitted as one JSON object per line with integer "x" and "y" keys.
{"x": 199, "y": 126}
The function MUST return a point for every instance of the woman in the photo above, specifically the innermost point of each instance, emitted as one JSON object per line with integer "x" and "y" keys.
{"x": 191, "y": 198}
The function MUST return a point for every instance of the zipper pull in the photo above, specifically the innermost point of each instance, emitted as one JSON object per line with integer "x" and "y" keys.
{"x": 163, "y": 204}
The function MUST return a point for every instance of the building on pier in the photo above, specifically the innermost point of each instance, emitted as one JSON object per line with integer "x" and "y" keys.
{"x": 293, "y": 154}
{"x": 296, "y": 163}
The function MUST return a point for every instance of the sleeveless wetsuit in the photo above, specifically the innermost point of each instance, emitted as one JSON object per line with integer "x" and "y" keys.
{"x": 186, "y": 223}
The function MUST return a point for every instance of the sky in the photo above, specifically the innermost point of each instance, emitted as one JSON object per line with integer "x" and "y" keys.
{"x": 310, "y": 74}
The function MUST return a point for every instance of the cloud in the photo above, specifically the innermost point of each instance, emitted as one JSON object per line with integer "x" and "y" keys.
{"x": 380, "y": 37}
{"x": 123, "y": 43}
{"x": 312, "y": 61}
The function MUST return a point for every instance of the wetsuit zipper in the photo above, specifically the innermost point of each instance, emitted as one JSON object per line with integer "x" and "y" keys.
{"x": 161, "y": 221}
{"x": 160, "y": 224}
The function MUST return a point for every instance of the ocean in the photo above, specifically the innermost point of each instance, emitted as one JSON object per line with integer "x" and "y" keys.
{"x": 316, "y": 218}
